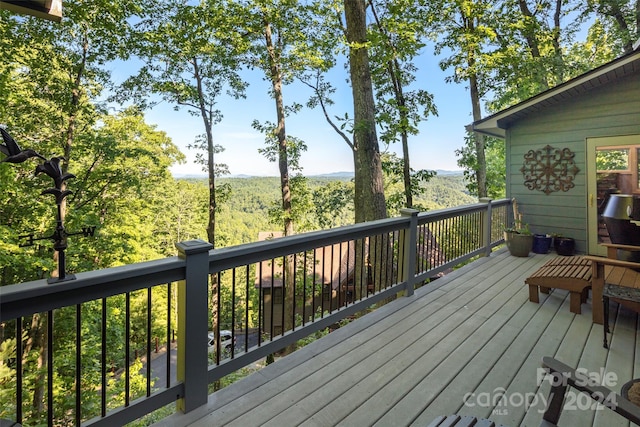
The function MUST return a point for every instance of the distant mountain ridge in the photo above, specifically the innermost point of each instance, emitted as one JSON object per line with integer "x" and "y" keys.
{"x": 343, "y": 174}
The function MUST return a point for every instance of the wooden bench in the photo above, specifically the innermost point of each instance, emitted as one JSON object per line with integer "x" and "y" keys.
{"x": 572, "y": 273}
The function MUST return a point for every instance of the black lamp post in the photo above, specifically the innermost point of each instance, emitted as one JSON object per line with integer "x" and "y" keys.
{"x": 52, "y": 169}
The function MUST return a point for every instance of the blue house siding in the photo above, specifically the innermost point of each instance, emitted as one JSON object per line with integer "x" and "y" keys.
{"x": 608, "y": 110}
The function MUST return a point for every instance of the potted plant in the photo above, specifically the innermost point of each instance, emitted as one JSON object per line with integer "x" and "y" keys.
{"x": 564, "y": 245}
{"x": 542, "y": 243}
{"x": 518, "y": 238}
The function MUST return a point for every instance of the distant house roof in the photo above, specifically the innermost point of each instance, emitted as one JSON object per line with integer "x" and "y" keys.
{"x": 46, "y": 9}
{"x": 496, "y": 124}
{"x": 326, "y": 264}
{"x": 334, "y": 265}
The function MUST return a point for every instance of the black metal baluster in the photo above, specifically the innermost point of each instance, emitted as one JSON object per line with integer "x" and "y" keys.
{"x": 50, "y": 367}
{"x": 321, "y": 275}
{"x": 423, "y": 249}
{"x": 331, "y": 272}
{"x": 127, "y": 347}
{"x": 347, "y": 272}
{"x": 389, "y": 268}
{"x": 149, "y": 342}
{"x": 322, "y": 278}
{"x": 284, "y": 292}
{"x": 233, "y": 311}
{"x": 260, "y": 303}
{"x": 247, "y": 288}
{"x": 377, "y": 247}
{"x": 458, "y": 233}
{"x": 304, "y": 287}
{"x": 218, "y": 278}
{"x": 365, "y": 256}
{"x": 19, "y": 370}
{"x": 273, "y": 297}
{"x": 437, "y": 246}
{"x": 168, "y": 361}
{"x": 103, "y": 360}
{"x": 78, "y": 364}
{"x": 293, "y": 291}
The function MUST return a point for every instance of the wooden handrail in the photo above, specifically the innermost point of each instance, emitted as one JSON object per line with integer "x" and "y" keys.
{"x": 612, "y": 261}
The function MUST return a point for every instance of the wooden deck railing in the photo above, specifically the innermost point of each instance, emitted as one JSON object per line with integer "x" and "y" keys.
{"x": 269, "y": 294}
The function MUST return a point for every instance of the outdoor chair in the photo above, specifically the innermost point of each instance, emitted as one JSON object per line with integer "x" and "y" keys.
{"x": 565, "y": 377}
{"x": 615, "y": 279}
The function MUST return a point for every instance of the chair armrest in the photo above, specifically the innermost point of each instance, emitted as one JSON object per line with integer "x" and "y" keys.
{"x": 612, "y": 249}
{"x": 567, "y": 376}
{"x": 611, "y": 261}
{"x": 631, "y": 248}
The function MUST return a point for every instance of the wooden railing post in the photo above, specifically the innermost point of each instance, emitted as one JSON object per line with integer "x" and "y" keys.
{"x": 409, "y": 243}
{"x": 193, "y": 314}
{"x": 487, "y": 221}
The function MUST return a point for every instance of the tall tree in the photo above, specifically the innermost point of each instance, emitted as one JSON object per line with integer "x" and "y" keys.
{"x": 465, "y": 29}
{"x": 369, "y": 188}
{"x": 190, "y": 56}
{"x": 288, "y": 38}
{"x": 397, "y": 37}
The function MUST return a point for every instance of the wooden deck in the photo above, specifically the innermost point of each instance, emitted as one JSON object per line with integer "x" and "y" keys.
{"x": 472, "y": 333}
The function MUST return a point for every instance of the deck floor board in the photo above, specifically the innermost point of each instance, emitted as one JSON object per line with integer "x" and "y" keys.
{"x": 471, "y": 333}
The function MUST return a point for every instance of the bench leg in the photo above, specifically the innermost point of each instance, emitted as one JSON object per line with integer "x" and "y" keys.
{"x": 596, "y": 300}
{"x": 585, "y": 294}
{"x": 533, "y": 294}
{"x": 544, "y": 289}
{"x": 575, "y": 301}
{"x": 605, "y": 326}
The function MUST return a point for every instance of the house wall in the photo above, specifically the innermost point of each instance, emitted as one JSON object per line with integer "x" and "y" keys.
{"x": 609, "y": 110}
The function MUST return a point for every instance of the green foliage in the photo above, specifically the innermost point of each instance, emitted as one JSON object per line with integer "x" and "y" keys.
{"x": 397, "y": 36}
{"x": 616, "y": 159}
{"x": 311, "y": 338}
{"x": 53, "y": 80}
{"x": 496, "y": 165}
{"x": 395, "y": 191}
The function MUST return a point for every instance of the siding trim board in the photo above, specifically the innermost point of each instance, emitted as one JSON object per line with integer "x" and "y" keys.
{"x": 496, "y": 124}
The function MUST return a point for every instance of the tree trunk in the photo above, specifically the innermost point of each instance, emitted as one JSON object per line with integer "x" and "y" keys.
{"x": 37, "y": 339}
{"x": 393, "y": 68}
{"x": 481, "y": 170}
{"x": 406, "y": 167}
{"x": 283, "y": 166}
{"x": 369, "y": 188}
{"x": 369, "y": 191}
{"x": 530, "y": 36}
{"x": 394, "y": 73}
{"x": 281, "y": 134}
{"x": 211, "y": 166}
{"x": 211, "y": 170}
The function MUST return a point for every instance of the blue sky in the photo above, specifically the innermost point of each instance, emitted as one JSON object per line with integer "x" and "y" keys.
{"x": 433, "y": 148}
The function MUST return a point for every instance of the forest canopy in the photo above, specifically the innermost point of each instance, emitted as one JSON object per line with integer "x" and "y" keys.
{"x": 79, "y": 92}
{"x": 64, "y": 98}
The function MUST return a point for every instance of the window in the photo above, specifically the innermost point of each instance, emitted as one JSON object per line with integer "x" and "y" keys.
{"x": 612, "y": 159}
{"x": 617, "y": 168}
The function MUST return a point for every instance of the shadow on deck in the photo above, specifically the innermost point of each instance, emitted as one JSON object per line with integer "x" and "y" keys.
{"x": 469, "y": 343}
